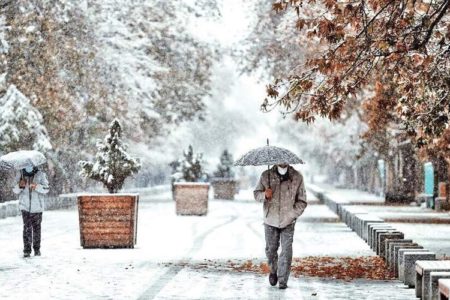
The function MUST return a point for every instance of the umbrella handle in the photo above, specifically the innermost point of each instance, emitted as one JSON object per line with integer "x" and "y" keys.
{"x": 268, "y": 167}
{"x": 270, "y": 203}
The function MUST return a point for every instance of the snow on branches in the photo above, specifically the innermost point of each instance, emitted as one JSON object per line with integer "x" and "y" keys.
{"x": 112, "y": 163}
{"x": 403, "y": 45}
{"x": 189, "y": 168}
{"x": 50, "y": 58}
{"x": 21, "y": 124}
{"x": 153, "y": 60}
{"x": 225, "y": 168}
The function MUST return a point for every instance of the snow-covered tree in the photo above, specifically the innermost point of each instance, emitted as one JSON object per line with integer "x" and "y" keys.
{"x": 51, "y": 59}
{"x": 269, "y": 46}
{"x": 402, "y": 45}
{"x": 81, "y": 63}
{"x": 47, "y": 52}
{"x": 386, "y": 61}
{"x": 152, "y": 61}
{"x": 327, "y": 148}
{"x": 21, "y": 124}
{"x": 190, "y": 167}
{"x": 112, "y": 163}
{"x": 225, "y": 168}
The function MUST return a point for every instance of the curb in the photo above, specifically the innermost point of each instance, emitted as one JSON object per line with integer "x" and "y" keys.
{"x": 401, "y": 255}
{"x": 11, "y": 208}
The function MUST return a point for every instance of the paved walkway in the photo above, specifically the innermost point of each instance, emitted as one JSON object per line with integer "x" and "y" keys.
{"x": 213, "y": 285}
{"x": 232, "y": 230}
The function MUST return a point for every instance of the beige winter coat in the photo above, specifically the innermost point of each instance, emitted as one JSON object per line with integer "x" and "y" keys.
{"x": 288, "y": 200}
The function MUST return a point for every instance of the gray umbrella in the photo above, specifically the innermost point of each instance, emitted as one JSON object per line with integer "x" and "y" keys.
{"x": 268, "y": 155}
{"x": 5, "y": 166}
{"x": 21, "y": 159}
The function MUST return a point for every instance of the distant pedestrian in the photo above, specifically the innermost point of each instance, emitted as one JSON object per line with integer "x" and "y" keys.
{"x": 282, "y": 190}
{"x": 31, "y": 186}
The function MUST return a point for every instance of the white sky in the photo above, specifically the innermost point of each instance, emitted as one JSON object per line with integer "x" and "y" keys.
{"x": 232, "y": 26}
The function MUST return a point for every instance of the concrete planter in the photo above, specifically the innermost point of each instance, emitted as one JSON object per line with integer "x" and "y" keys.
{"x": 3, "y": 212}
{"x": 224, "y": 188}
{"x": 108, "y": 220}
{"x": 191, "y": 198}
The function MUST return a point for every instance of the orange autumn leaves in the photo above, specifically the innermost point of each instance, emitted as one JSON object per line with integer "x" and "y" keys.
{"x": 399, "y": 44}
{"x": 346, "y": 268}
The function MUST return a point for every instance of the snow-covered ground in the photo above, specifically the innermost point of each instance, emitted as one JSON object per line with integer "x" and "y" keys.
{"x": 423, "y": 225}
{"x": 406, "y": 213}
{"x": 347, "y": 195}
{"x": 232, "y": 230}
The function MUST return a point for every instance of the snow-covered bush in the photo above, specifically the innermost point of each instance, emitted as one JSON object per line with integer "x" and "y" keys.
{"x": 189, "y": 168}
{"x": 112, "y": 163}
{"x": 21, "y": 124}
{"x": 225, "y": 168}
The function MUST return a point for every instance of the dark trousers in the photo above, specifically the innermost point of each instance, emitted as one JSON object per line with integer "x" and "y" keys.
{"x": 280, "y": 265}
{"x": 31, "y": 231}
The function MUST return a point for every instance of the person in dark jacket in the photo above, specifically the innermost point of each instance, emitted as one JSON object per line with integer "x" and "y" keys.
{"x": 32, "y": 185}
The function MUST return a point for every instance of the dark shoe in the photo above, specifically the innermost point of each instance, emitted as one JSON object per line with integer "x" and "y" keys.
{"x": 26, "y": 255}
{"x": 273, "y": 279}
{"x": 282, "y": 286}
{"x": 37, "y": 253}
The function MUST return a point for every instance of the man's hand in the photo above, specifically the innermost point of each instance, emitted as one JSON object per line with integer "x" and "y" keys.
{"x": 22, "y": 184}
{"x": 268, "y": 193}
{"x": 33, "y": 186}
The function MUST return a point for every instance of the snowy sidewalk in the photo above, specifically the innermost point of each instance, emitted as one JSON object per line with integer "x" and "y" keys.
{"x": 232, "y": 230}
{"x": 423, "y": 225}
{"x": 346, "y": 196}
{"x": 376, "y": 205}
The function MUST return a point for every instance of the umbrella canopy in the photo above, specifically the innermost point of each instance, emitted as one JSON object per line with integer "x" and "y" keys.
{"x": 21, "y": 159}
{"x": 268, "y": 155}
{"x": 5, "y": 166}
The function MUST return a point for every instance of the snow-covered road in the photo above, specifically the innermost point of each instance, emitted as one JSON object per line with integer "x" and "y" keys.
{"x": 232, "y": 230}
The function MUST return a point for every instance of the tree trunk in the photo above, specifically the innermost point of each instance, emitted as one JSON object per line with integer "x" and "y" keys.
{"x": 401, "y": 176}
{"x": 409, "y": 172}
{"x": 440, "y": 172}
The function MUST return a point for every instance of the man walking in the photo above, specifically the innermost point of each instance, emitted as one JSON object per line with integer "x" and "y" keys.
{"x": 282, "y": 190}
{"x": 31, "y": 186}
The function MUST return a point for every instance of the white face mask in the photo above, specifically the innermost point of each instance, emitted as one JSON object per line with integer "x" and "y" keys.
{"x": 282, "y": 171}
{"x": 29, "y": 169}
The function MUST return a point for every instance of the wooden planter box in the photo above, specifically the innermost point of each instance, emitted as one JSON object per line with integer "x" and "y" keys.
{"x": 108, "y": 220}
{"x": 224, "y": 188}
{"x": 191, "y": 198}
